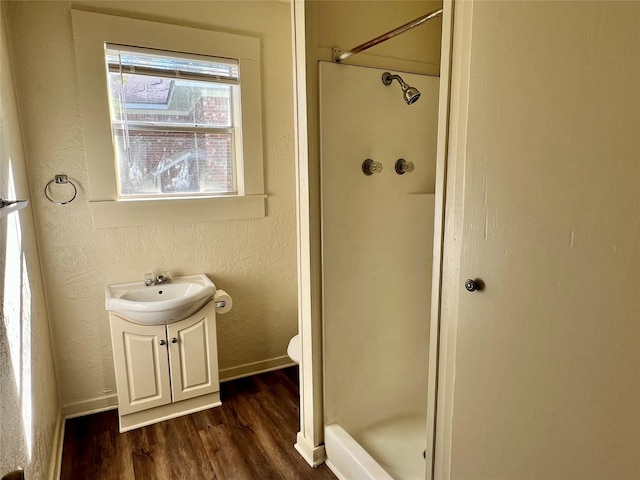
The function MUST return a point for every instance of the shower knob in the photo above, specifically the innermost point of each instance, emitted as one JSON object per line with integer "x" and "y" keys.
{"x": 369, "y": 167}
{"x": 402, "y": 166}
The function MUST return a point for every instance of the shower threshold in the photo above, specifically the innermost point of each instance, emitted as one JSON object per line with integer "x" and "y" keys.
{"x": 390, "y": 449}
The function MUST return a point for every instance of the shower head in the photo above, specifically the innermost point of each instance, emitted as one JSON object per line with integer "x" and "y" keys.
{"x": 411, "y": 94}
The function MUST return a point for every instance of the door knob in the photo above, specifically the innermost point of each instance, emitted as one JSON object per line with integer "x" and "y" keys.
{"x": 473, "y": 285}
{"x": 162, "y": 342}
{"x": 174, "y": 340}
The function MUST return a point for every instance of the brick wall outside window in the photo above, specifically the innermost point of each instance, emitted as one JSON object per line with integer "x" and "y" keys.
{"x": 202, "y": 162}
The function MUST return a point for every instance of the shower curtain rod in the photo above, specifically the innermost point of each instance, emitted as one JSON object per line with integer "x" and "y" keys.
{"x": 338, "y": 56}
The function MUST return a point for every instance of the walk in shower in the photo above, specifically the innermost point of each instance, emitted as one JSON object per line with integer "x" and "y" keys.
{"x": 378, "y": 169}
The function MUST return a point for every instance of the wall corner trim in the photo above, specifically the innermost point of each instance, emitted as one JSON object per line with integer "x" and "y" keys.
{"x": 55, "y": 464}
{"x": 314, "y": 456}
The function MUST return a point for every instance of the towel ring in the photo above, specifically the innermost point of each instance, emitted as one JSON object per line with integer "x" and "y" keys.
{"x": 60, "y": 180}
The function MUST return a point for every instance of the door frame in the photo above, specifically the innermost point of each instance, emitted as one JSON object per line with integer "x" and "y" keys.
{"x": 447, "y": 217}
{"x": 440, "y": 367}
{"x": 454, "y": 158}
{"x": 310, "y": 438}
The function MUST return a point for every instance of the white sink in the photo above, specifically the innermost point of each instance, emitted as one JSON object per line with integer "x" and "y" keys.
{"x": 160, "y": 304}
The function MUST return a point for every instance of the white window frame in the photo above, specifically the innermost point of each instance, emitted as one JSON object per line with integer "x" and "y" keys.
{"x": 126, "y": 125}
{"x": 91, "y": 32}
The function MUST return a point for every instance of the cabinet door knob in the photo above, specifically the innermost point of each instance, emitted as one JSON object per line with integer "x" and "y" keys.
{"x": 162, "y": 342}
{"x": 174, "y": 340}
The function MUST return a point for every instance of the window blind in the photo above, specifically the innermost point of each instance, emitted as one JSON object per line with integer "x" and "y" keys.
{"x": 143, "y": 61}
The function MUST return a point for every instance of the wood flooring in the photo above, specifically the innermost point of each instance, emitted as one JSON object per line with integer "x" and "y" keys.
{"x": 250, "y": 436}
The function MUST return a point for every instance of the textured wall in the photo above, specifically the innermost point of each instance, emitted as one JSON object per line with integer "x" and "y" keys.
{"x": 29, "y": 406}
{"x": 254, "y": 260}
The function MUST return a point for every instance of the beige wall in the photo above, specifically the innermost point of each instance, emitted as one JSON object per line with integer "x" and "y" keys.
{"x": 29, "y": 406}
{"x": 254, "y": 260}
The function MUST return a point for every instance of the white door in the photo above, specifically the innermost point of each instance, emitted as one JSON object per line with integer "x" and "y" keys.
{"x": 193, "y": 354}
{"x": 142, "y": 365}
{"x": 545, "y": 379}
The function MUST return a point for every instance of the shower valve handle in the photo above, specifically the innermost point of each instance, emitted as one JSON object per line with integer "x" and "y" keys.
{"x": 369, "y": 167}
{"x": 402, "y": 166}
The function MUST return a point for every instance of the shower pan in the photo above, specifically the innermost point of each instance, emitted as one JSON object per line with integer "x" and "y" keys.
{"x": 377, "y": 237}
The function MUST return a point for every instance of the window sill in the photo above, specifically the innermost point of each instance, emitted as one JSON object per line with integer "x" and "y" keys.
{"x": 129, "y": 213}
{"x": 10, "y": 206}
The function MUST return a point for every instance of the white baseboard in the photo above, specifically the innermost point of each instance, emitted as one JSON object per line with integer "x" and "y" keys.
{"x": 314, "y": 456}
{"x": 254, "y": 368}
{"x": 110, "y": 402}
{"x": 87, "y": 407}
{"x": 55, "y": 463}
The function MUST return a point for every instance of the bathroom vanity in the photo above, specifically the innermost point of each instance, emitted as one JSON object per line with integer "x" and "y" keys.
{"x": 167, "y": 369}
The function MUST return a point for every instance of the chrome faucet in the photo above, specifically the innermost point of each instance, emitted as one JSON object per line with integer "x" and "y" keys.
{"x": 161, "y": 278}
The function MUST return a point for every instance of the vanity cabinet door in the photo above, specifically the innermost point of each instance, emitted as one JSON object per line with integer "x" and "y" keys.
{"x": 193, "y": 355}
{"x": 142, "y": 368}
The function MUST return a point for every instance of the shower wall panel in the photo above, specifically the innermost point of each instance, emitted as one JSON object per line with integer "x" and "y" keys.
{"x": 377, "y": 234}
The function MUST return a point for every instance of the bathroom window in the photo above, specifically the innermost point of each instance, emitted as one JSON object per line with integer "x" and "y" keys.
{"x": 175, "y": 121}
{"x": 172, "y": 120}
